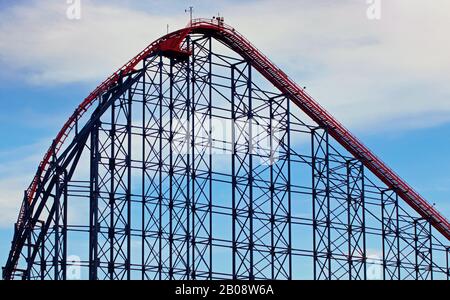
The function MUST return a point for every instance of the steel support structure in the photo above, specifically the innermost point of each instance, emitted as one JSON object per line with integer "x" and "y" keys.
{"x": 201, "y": 154}
{"x": 320, "y": 166}
{"x": 111, "y": 188}
{"x": 356, "y": 223}
{"x": 280, "y": 188}
{"x": 242, "y": 173}
{"x": 390, "y": 235}
{"x": 423, "y": 250}
{"x": 338, "y": 212}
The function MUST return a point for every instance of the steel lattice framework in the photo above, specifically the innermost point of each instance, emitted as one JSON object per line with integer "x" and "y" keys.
{"x": 200, "y": 159}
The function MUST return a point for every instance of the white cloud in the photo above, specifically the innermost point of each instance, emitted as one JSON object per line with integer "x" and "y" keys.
{"x": 11, "y": 199}
{"x": 39, "y": 38}
{"x": 17, "y": 169}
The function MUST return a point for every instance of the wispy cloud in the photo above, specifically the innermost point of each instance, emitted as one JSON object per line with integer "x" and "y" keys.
{"x": 17, "y": 168}
{"x": 38, "y": 37}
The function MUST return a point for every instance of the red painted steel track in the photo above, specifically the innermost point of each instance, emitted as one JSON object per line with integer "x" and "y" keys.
{"x": 228, "y": 35}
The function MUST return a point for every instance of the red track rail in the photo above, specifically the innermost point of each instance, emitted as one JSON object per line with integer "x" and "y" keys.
{"x": 238, "y": 43}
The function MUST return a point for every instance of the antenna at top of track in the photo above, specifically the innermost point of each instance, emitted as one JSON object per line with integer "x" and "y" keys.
{"x": 191, "y": 11}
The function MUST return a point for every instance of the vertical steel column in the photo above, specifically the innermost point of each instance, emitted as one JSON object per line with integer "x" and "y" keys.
{"x": 43, "y": 262}
{"x": 165, "y": 162}
{"x": 201, "y": 158}
{"x": 152, "y": 170}
{"x": 210, "y": 161}
{"x": 250, "y": 115}
{"x": 112, "y": 189}
{"x": 242, "y": 176}
{"x": 128, "y": 185}
{"x": 321, "y": 204}
{"x": 64, "y": 229}
{"x": 143, "y": 179}
{"x": 233, "y": 174}
{"x": 280, "y": 195}
{"x": 189, "y": 175}
{"x": 289, "y": 186}
{"x": 115, "y": 187}
{"x": 27, "y": 216}
{"x": 171, "y": 170}
{"x": 60, "y": 225}
{"x": 93, "y": 212}
{"x": 423, "y": 250}
{"x": 180, "y": 169}
{"x": 56, "y": 224}
{"x": 390, "y": 235}
{"x": 194, "y": 171}
{"x": 160, "y": 168}
{"x": 356, "y": 220}
{"x": 272, "y": 191}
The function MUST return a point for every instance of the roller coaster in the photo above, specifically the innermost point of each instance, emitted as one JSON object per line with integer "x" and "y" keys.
{"x": 142, "y": 183}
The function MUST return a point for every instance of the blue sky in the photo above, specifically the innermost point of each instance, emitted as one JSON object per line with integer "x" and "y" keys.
{"x": 387, "y": 80}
